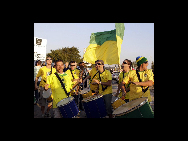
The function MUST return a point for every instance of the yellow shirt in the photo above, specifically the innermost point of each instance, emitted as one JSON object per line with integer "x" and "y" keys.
{"x": 58, "y": 92}
{"x": 126, "y": 85}
{"x": 105, "y": 76}
{"x": 92, "y": 73}
{"x": 75, "y": 73}
{"x": 136, "y": 90}
{"x": 42, "y": 72}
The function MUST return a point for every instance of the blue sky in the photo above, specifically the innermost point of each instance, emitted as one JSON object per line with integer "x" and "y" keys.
{"x": 138, "y": 38}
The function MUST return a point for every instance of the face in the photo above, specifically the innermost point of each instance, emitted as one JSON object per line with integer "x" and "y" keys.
{"x": 49, "y": 61}
{"x": 99, "y": 65}
{"x": 81, "y": 65}
{"x": 66, "y": 64}
{"x": 144, "y": 65}
{"x": 125, "y": 64}
{"x": 59, "y": 66}
{"x": 73, "y": 66}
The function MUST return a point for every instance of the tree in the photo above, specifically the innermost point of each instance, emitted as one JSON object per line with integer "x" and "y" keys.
{"x": 65, "y": 54}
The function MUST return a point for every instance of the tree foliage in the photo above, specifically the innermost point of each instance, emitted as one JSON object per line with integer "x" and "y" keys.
{"x": 65, "y": 54}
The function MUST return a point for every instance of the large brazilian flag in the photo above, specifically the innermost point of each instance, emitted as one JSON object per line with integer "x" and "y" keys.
{"x": 105, "y": 46}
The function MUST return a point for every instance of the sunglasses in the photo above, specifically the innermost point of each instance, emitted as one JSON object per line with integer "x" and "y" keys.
{"x": 48, "y": 59}
{"x": 124, "y": 62}
{"x": 98, "y": 64}
{"x": 72, "y": 65}
{"x": 146, "y": 62}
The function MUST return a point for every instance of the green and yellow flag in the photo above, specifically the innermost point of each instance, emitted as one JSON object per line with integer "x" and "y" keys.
{"x": 105, "y": 46}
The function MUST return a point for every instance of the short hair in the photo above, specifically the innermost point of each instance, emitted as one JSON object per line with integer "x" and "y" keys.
{"x": 48, "y": 57}
{"x": 129, "y": 63}
{"x": 38, "y": 61}
{"x": 102, "y": 62}
{"x": 72, "y": 62}
{"x": 58, "y": 61}
{"x": 81, "y": 63}
{"x": 96, "y": 61}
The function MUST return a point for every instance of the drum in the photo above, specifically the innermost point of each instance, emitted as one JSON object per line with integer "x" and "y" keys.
{"x": 117, "y": 103}
{"x": 138, "y": 108}
{"x": 94, "y": 106}
{"x": 47, "y": 94}
{"x": 68, "y": 108}
{"x": 85, "y": 93}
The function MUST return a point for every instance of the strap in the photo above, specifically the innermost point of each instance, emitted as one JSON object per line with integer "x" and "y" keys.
{"x": 72, "y": 74}
{"x": 138, "y": 75}
{"x": 61, "y": 83}
{"x": 94, "y": 76}
{"x": 103, "y": 88}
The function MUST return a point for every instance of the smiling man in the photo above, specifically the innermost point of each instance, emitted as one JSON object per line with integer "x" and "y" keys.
{"x": 140, "y": 80}
{"x": 58, "y": 92}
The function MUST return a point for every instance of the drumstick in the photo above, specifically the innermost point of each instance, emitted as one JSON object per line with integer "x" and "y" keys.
{"x": 75, "y": 85}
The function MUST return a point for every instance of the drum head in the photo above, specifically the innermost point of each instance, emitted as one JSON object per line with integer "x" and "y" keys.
{"x": 65, "y": 101}
{"x": 84, "y": 91}
{"x": 47, "y": 94}
{"x": 132, "y": 105}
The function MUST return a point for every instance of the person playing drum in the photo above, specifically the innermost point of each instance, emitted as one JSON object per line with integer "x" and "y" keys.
{"x": 44, "y": 72}
{"x": 126, "y": 66}
{"x": 93, "y": 75}
{"x": 140, "y": 80}
{"x": 55, "y": 85}
{"x": 105, "y": 86}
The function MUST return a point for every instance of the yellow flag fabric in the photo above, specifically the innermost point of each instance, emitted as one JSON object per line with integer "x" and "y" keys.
{"x": 105, "y": 46}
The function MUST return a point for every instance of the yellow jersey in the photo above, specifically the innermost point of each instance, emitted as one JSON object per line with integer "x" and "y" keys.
{"x": 121, "y": 76}
{"x": 75, "y": 73}
{"x": 104, "y": 77}
{"x": 42, "y": 72}
{"x": 58, "y": 92}
{"x": 92, "y": 73}
{"x": 136, "y": 90}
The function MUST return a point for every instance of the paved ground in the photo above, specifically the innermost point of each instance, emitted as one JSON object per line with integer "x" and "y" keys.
{"x": 38, "y": 114}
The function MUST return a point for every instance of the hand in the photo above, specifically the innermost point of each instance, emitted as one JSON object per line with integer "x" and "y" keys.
{"x": 96, "y": 81}
{"x": 123, "y": 94}
{"x": 123, "y": 97}
{"x": 36, "y": 87}
{"x": 46, "y": 86}
{"x": 97, "y": 91}
{"x": 80, "y": 80}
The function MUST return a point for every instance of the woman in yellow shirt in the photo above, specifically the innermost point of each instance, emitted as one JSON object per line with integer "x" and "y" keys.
{"x": 137, "y": 88}
{"x": 126, "y": 66}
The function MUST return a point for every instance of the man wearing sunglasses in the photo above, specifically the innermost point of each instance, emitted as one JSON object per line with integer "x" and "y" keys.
{"x": 105, "y": 85}
{"x": 93, "y": 75}
{"x": 140, "y": 80}
{"x": 44, "y": 72}
{"x": 74, "y": 74}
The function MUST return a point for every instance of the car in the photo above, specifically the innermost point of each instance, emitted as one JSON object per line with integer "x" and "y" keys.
{"x": 115, "y": 75}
